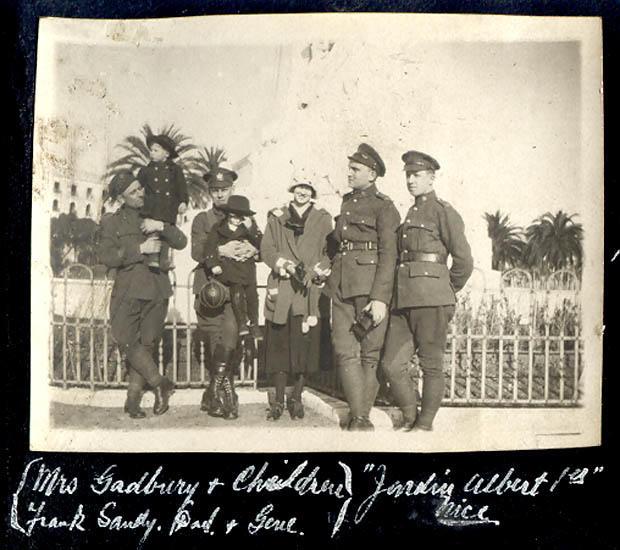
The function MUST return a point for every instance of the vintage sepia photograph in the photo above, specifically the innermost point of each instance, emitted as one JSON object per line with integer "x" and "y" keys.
{"x": 344, "y": 232}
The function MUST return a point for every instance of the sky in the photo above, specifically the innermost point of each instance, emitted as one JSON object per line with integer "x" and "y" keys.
{"x": 502, "y": 118}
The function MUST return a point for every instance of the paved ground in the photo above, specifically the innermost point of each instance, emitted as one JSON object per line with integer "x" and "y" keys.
{"x": 82, "y": 420}
{"x": 65, "y": 416}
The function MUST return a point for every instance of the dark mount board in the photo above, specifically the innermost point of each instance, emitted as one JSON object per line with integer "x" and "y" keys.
{"x": 575, "y": 516}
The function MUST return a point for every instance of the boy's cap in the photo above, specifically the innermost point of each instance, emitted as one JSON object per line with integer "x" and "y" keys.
{"x": 165, "y": 141}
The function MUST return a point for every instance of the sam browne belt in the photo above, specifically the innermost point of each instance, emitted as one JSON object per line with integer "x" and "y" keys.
{"x": 357, "y": 245}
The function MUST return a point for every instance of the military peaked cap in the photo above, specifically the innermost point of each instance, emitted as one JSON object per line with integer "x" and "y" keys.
{"x": 120, "y": 182}
{"x": 165, "y": 141}
{"x": 417, "y": 162}
{"x": 220, "y": 179}
{"x": 367, "y": 156}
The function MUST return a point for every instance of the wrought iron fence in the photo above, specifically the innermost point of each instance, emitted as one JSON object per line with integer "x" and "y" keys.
{"x": 518, "y": 345}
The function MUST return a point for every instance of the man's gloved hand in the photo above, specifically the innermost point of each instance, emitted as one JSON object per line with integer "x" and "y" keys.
{"x": 377, "y": 310}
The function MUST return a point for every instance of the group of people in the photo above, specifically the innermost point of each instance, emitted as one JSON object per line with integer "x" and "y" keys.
{"x": 391, "y": 290}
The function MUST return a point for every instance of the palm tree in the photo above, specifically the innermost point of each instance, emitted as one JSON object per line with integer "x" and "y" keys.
{"x": 137, "y": 155}
{"x": 207, "y": 161}
{"x": 554, "y": 242}
{"x": 73, "y": 240}
{"x": 507, "y": 242}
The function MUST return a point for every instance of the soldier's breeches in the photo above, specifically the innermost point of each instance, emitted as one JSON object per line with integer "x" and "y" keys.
{"x": 422, "y": 330}
{"x": 136, "y": 326}
{"x": 399, "y": 350}
{"x": 356, "y": 361}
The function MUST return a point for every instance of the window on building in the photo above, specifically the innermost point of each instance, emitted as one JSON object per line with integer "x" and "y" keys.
{"x": 73, "y": 190}
{"x": 88, "y": 210}
{"x": 72, "y": 208}
{"x": 89, "y": 192}
{"x": 56, "y": 187}
{"x": 55, "y": 205}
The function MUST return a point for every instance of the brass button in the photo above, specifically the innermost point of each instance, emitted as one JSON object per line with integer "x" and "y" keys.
{"x": 415, "y": 208}
{"x": 408, "y": 221}
{"x": 421, "y": 225}
{"x": 344, "y": 227}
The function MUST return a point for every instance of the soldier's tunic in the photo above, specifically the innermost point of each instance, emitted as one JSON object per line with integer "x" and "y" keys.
{"x": 364, "y": 243}
{"x": 425, "y": 297}
{"x": 219, "y": 325}
{"x": 139, "y": 300}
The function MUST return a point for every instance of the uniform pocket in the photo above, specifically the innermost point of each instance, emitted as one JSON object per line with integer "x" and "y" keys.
{"x": 366, "y": 259}
{"x": 367, "y": 221}
{"x": 427, "y": 269}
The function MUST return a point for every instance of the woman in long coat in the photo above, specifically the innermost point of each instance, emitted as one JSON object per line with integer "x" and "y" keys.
{"x": 294, "y": 247}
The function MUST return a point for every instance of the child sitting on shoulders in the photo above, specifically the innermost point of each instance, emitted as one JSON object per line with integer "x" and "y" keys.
{"x": 165, "y": 191}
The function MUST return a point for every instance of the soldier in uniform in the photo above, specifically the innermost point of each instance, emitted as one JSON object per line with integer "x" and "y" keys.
{"x": 364, "y": 247}
{"x": 217, "y": 327}
{"x": 425, "y": 293}
{"x": 139, "y": 301}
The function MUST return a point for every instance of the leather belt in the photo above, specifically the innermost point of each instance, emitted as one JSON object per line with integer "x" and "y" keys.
{"x": 422, "y": 257}
{"x": 357, "y": 245}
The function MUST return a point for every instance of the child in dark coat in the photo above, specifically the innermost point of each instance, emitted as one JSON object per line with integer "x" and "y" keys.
{"x": 165, "y": 190}
{"x": 239, "y": 276}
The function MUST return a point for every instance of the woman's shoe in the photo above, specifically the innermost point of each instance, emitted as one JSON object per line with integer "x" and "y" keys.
{"x": 275, "y": 411}
{"x": 295, "y": 408}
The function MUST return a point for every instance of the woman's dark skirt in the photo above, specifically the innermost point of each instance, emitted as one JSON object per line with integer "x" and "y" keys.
{"x": 288, "y": 349}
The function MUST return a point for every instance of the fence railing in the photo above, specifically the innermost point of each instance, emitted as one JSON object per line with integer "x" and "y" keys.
{"x": 513, "y": 346}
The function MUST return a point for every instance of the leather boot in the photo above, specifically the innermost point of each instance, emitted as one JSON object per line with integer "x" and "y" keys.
{"x": 295, "y": 408}
{"x": 361, "y": 424}
{"x": 231, "y": 406}
{"x": 162, "y": 396}
{"x": 216, "y": 406}
{"x": 132, "y": 404}
{"x": 410, "y": 413}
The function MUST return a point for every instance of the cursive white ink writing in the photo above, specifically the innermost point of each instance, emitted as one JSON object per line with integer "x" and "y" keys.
{"x": 148, "y": 484}
{"x": 119, "y": 523}
{"x": 264, "y": 521}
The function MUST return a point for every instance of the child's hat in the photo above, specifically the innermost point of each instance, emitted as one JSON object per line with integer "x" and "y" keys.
{"x": 238, "y": 204}
{"x": 165, "y": 141}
